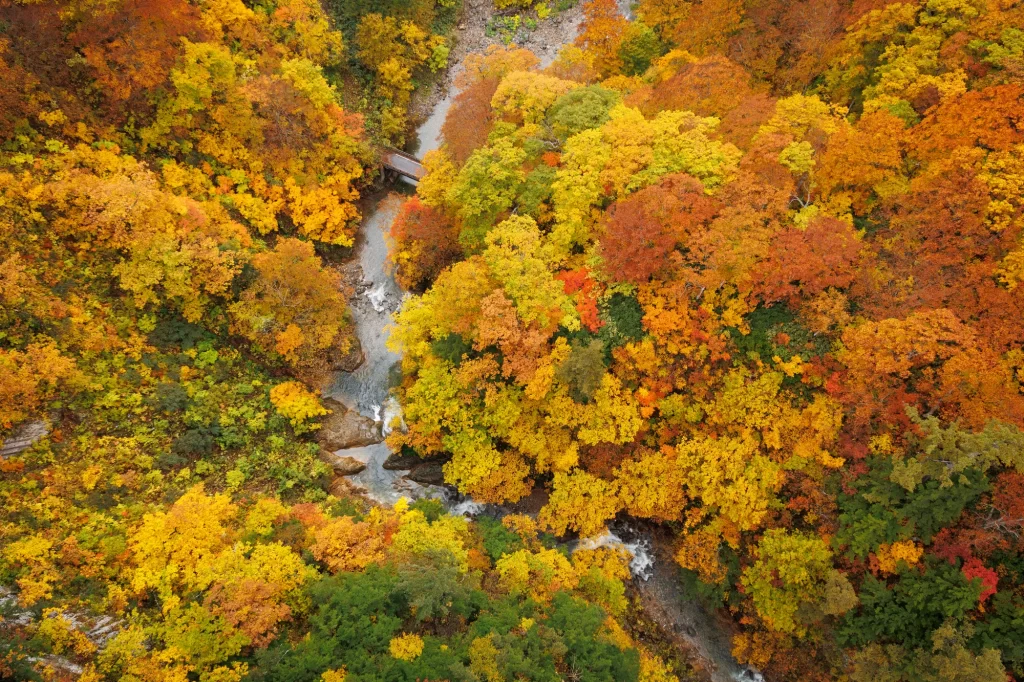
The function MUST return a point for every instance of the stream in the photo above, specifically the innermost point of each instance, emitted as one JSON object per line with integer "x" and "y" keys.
{"x": 367, "y": 390}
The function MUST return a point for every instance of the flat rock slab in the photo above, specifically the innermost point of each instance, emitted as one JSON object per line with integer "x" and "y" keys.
{"x": 22, "y": 437}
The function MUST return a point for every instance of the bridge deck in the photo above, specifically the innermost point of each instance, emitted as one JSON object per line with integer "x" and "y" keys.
{"x": 403, "y": 164}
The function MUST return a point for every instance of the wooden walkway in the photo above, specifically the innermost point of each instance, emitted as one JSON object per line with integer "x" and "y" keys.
{"x": 404, "y": 164}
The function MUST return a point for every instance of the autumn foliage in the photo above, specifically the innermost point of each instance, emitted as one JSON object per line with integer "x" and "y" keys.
{"x": 423, "y": 242}
{"x": 744, "y": 273}
{"x": 788, "y": 244}
{"x": 645, "y": 228}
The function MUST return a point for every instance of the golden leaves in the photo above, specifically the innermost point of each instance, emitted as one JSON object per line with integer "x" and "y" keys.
{"x": 294, "y": 401}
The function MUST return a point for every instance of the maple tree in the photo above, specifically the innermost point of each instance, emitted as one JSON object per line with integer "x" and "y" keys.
{"x": 645, "y": 228}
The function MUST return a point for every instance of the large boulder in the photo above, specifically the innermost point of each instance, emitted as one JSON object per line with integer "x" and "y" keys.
{"x": 343, "y": 465}
{"x": 399, "y": 461}
{"x": 346, "y": 428}
{"x": 341, "y": 488}
{"x": 427, "y": 473}
{"x": 350, "y": 360}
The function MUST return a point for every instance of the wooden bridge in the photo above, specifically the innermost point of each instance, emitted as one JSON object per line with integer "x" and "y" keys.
{"x": 403, "y": 164}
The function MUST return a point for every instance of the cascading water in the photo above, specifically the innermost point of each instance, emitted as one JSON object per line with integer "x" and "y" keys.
{"x": 638, "y": 546}
{"x": 367, "y": 390}
{"x": 378, "y": 297}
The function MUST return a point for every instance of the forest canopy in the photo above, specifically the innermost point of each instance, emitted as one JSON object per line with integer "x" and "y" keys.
{"x": 747, "y": 269}
{"x": 744, "y": 273}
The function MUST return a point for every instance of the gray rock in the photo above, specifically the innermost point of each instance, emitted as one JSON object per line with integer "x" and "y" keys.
{"x": 428, "y": 473}
{"x": 396, "y": 461}
{"x": 22, "y": 437}
{"x": 346, "y": 428}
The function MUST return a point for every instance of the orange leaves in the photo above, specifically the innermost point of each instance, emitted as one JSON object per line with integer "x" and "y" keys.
{"x": 601, "y": 35}
{"x": 469, "y": 120}
{"x": 894, "y": 347}
{"x": 635, "y": 244}
{"x": 888, "y": 557}
{"x": 494, "y": 62}
{"x": 923, "y": 353}
{"x": 712, "y": 86}
{"x": 991, "y": 118}
{"x": 580, "y": 283}
{"x": 698, "y": 552}
{"x": 131, "y": 46}
{"x": 523, "y": 347}
{"x": 866, "y": 157}
{"x": 252, "y": 608}
{"x": 31, "y": 377}
{"x": 294, "y": 305}
{"x": 976, "y": 386}
{"x": 708, "y": 26}
{"x": 804, "y": 263}
{"x": 347, "y": 545}
{"x": 289, "y": 340}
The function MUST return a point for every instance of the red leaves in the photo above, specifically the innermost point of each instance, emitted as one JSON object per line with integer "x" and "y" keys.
{"x": 579, "y": 282}
{"x": 973, "y": 568}
{"x": 645, "y": 228}
{"x": 423, "y": 243}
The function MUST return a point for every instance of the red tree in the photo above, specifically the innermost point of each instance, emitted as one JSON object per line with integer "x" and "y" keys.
{"x": 469, "y": 121}
{"x": 643, "y": 229}
{"x": 423, "y": 242}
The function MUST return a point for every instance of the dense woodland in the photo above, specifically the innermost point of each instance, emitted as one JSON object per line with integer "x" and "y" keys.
{"x": 748, "y": 270}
